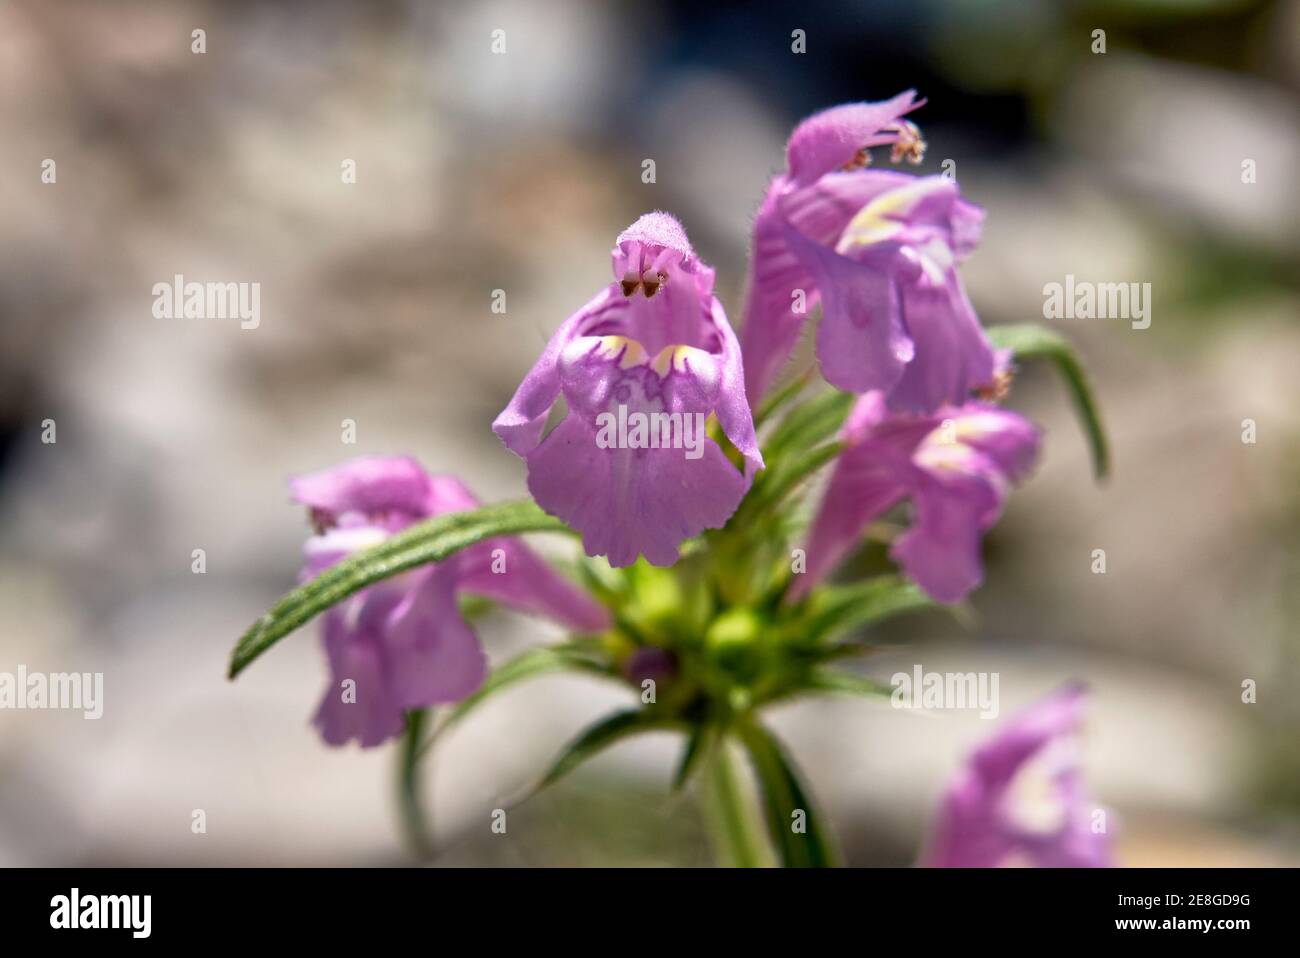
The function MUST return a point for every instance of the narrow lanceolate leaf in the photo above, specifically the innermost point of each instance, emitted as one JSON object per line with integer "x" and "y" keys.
{"x": 808, "y": 423}
{"x": 697, "y": 744}
{"x": 600, "y": 736}
{"x": 429, "y": 541}
{"x": 847, "y": 683}
{"x": 778, "y": 399}
{"x": 782, "y": 479}
{"x": 835, "y": 610}
{"x": 573, "y": 657}
{"x": 796, "y": 828}
{"x": 1031, "y": 341}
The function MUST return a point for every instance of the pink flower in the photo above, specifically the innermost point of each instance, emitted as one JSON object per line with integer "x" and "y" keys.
{"x": 1020, "y": 797}
{"x": 954, "y": 465}
{"x": 878, "y": 249}
{"x": 402, "y": 643}
{"x": 653, "y": 343}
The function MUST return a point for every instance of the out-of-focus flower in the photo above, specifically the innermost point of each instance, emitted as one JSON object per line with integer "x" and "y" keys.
{"x": 1020, "y": 799}
{"x": 402, "y": 643}
{"x": 649, "y": 662}
{"x": 955, "y": 466}
{"x": 656, "y": 344}
{"x": 878, "y": 249}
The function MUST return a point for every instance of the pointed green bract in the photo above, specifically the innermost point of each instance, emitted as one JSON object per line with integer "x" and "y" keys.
{"x": 794, "y": 825}
{"x": 847, "y": 683}
{"x": 808, "y": 423}
{"x": 774, "y": 484}
{"x": 598, "y": 737}
{"x": 575, "y": 657}
{"x": 697, "y": 744}
{"x": 430, "y": 541}
{"x": 1031, "y": 341}
{"x": 837, "y": 609}
{"x": 781, "y": 397}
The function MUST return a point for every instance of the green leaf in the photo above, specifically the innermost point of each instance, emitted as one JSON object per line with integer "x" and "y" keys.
{"x": 429, "y": 541}
{"x": 543, "y": 660}
{"x": 847, "y": 683}
{"x": 784, "y": 797}
{"x": 1032, "y": 341}
{"x": 697, "y": 745}
{"x": 785, "y": 394}
{"x": 837, "y": 609}
{"x": 808, "y": 423}
{"x": 776, "y": 483}
{"x": 598, "y": 737}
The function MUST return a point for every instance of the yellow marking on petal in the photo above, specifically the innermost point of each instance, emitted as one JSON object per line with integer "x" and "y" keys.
{"x": 675, "y": 357}
{"x": 936, "y": 453}
{"x": 979, "y": 425}
{"x": 633, "y": 353}
{"x": 878, "y": 220}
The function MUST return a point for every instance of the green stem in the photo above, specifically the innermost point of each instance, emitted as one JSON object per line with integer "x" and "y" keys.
{"x": 736, "y": 831}
{"x": 409, "y": 792}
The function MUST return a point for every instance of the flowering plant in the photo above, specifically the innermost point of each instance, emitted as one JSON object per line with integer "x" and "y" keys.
{"x": 705, "y": 587}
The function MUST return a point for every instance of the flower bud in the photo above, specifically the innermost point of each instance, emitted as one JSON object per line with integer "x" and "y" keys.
{"x": 733, "y": 643}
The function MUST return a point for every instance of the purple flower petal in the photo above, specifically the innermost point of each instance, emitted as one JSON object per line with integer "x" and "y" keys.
{"x": 657, "y": 344}
{"x": 780, "y": 280}
{"x": 952, "y": 355}
{"x": 434, "y": 653}
{"x": 955, "y": 465}
{"x": 402, "y": 642}
{"x": 861, "y": 342}
{"x": 878, "y": 250}
{"x": 941, "y": 551}
{"x": 520, "y": 424}
{"x": 983, "y": 822}
{"x": 772, "y": 325}
{"x": 829, "y": 140}
{"x": 631, "y": 501}
{"x": 525, "y": 582}
{"x": 368, "y": 714}
{"x": 369, "y": 486}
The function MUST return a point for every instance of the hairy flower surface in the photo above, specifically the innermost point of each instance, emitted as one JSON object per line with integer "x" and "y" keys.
{"x": 878, "y": 249}
{"x": 656, "y": 342}
{"x": 1020, "y": 799}
{"x": 955, "y": 466}
{"x": 402, "y": 643}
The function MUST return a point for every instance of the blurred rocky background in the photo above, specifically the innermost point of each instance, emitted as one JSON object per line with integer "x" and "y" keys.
{"x": 478, "y": 172}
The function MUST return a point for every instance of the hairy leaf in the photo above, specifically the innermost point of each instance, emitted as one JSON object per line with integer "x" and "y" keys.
{"x": 1032, "y": 341}
{"x": 430, "y": 541}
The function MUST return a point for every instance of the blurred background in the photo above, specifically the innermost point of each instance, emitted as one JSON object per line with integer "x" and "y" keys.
{"x": 478, "y": 171}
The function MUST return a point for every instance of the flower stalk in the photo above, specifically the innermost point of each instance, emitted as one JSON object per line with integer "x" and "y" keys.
{"x": 732, "y": 814}
{"x": 410, "y": 792}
